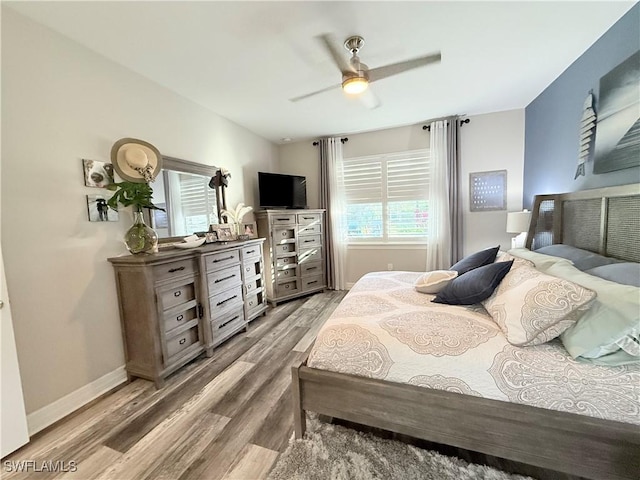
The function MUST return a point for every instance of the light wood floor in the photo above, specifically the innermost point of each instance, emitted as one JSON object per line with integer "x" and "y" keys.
{"x": 224, "y": 417}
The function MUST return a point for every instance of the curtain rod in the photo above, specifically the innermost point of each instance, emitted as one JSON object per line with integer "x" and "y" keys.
{"x": 462, "y": 122}
{"x": 343, "y": 140}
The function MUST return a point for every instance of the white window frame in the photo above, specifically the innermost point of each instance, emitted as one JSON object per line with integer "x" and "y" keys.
{"x": 385, "y": 239}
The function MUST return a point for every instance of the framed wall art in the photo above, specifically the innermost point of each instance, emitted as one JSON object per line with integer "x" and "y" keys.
{"x": 97, "y": 173}
{"x": 618, "y": 127}
{"x": 98, "y": 209}
{"x": 488, "y": 191}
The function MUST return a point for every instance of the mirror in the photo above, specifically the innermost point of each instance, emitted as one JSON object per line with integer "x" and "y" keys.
{"x": 182, "y": 189}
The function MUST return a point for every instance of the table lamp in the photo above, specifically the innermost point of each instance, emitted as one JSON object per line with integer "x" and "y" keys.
{"x": 518, "y": 222}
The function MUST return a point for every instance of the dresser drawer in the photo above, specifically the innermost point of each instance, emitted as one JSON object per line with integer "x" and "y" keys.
{"x": 251, "y": 252}
{"x": 310, "y": 268}
{"x": 286, "y": 261}
{"x": 253, "y": 286}
{"x": 310, "y": 255}
{"x": 285, "y": 248}
{"x": 178, "y": 319}
{"x": 287, "y": 288}
{"x": 217, "y": 261}
{"x": 311, "y": 283}
{"x": 221, "y": 303}
{"x": 281, "y": 234}
{"x": 252, "y": 269}
{"x": 254, "y": 302}
{"x": 310, "y": 241}
{"x": 172, "y": 296}
{"x": 229, "y": 322}
{"x": 283, "y": 219}
{"x": 167, "y": 271}
{"x": 224, "y": 279}
{"x": 308, "y": 218}
{"x": 285, "y": 274}
{"x": 181, "y": 342}
{"x": 313, "y": 229}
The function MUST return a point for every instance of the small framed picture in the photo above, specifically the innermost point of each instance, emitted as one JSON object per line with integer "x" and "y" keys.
{"x": 97, "y": 174}
{"x": 98, "y": 209}
{"x": 250, "y": 230}
{"x": 223, "y": 232}
{"x": 211, "y": 237}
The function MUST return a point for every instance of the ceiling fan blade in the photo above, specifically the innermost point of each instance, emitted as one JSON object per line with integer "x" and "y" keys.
{"x": 369, "y": 99}
{"x": 302, "y": 97}
{"x": 396, "y": 68}
{"x": 338, "y": 59}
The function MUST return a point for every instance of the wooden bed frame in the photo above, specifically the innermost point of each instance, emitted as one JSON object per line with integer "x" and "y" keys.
{"x": 565, "y": 442}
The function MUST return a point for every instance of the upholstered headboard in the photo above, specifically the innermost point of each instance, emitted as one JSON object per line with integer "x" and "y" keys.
{"x": 604, "y": 220}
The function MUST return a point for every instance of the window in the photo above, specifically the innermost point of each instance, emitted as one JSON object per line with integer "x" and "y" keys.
{"x": 386, "y": 196}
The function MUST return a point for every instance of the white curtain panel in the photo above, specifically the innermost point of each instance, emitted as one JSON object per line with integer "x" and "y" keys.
{"x": 439, "y": 241}
{"x": 332, "y": 199}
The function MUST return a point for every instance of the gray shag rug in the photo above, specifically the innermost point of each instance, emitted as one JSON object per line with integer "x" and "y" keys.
{"x": 334, "y": 452}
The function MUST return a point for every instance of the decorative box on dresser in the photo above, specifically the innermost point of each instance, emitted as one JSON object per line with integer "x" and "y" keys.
{"x": 177, "y": 304}
{"x": 294, "y": 255}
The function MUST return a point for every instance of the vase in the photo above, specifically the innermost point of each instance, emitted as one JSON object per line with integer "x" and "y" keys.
{"x": 140, "y": 238}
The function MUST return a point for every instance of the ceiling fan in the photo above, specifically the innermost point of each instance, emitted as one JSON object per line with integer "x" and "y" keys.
{"x": 356, "y": 76}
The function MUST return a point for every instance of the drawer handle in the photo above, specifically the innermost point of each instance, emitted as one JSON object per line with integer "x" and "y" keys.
{"x": 225, "y": 301}
{"x": 181, "y": 342}
{"x": 223, "y": 279}
{"x": 223, "y": 259}
{"x": 311, "y": 283}
{"x": 179, "y": 318}
{"x": 177, "y": 294}
{"x": 287, "y": 286}
{"x": 309, "y": 241}
{"x": 228, "y": 322}
{"x": 247, "y": 269}
{"x": 249, "y": 287}
{"x": 282, "y": 219}
{"x": 250, "y": 251}
{"x": 251, "y": 303}
{"x": 308, "y": 218}
{"x": 177, "y": 269}
{"x": 311, "y": 268}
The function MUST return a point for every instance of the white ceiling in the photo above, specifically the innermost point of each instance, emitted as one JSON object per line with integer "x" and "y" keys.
{"x": 244, "y": 60}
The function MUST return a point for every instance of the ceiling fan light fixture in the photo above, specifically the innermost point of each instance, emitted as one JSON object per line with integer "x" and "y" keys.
{"x": 355, "y": 85}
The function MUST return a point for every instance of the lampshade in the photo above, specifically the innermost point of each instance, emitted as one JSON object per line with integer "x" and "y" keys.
{"x": 355, "y": 85}
{"x": 518, "y": 222}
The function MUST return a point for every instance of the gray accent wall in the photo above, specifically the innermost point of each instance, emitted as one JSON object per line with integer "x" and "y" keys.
{"x": 552, "y": 120}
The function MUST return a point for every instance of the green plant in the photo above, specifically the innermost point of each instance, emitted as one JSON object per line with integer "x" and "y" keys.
{"x": 137, "y": 195}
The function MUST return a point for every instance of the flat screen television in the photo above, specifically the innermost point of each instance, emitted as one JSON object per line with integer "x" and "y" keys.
{"x": 282, "y": 191}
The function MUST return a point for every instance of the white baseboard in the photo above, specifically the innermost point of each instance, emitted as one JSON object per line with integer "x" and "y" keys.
{"x": 42, "y": 418}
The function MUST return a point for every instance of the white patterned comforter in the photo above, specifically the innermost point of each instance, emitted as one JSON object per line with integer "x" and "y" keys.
{"x": 385, "y": 329}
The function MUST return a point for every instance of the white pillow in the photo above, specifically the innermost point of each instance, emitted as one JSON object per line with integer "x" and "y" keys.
{"x": 433, "y": 282}
{"x": 531, "y": 307}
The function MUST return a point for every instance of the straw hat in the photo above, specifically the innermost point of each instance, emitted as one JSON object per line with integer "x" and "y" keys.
{"x": 136, "y": 160}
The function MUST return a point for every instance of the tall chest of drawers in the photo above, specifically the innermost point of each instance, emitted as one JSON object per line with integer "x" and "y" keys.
{"x": 177, "y": 304}
{"x": 294, "y": 252}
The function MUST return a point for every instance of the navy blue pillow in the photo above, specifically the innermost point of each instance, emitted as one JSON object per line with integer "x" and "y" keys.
{"x": 475, "y": 260}
{"x": 474, "y": 286}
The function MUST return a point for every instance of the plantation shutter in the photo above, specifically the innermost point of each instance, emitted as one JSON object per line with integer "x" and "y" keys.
{"x": 386, "y": 196}
{"x": 198, "y": 202}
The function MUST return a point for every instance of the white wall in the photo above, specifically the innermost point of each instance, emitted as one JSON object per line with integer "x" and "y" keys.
{"x": 488, "y": 142}
{"x": 494, "y": 141}
{"x": 62, "y": 103}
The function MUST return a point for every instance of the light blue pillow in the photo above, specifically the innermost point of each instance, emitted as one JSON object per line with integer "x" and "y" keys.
{"x": 627, "y": 273}
{"x": 611, "y": 324}
{"x": 582, "y": 259}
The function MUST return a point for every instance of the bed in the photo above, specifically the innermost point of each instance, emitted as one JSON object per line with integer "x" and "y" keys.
{"x": 550, "y": 411}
